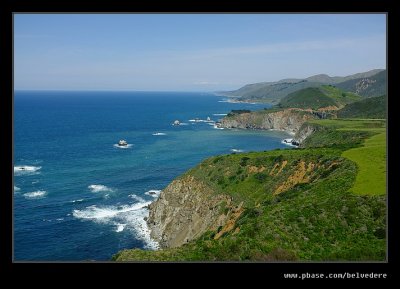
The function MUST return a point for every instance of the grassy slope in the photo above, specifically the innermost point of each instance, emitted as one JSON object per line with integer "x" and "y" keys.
{"x": 314, "y": 217}
{"x": 374, "y": 107}
{"x": 371, "y": 161}
{"x": 318, "y": 97}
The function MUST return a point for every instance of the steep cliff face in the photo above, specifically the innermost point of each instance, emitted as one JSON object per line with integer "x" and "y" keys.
{"x": 186, "y": 209}
{"x": 304, "y": 132}
{"x": 288, "y": 120}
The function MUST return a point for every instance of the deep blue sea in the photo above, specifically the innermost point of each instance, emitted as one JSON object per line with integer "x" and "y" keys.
{"x": 77, "y": 195}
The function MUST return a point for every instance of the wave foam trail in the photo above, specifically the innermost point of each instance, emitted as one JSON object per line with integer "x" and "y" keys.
{"x": 288, "y": 141}
{"x": 137, "y": 198}
{"x": 99, "y": 213}
{"x": 159, "y": 133}
{"x": 153, "y": 193}
{"x": 120, "y": 227}
{"x": 236, "y": 150}
{"x": 99, "y": 188}
{"x": 26, "y": 170}
{"x": 77, "y": 201}
{"x": 128, "y": 146}
{"x": 35, "y": 195}
{"x": 16, "y": 189}
{"x": 131, "y": 217}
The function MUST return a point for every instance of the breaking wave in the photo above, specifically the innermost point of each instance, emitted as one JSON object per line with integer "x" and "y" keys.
{"x": 153, "y": 193}
{"x": 99, "y": 188}
{"x": 35, "y": 195}
{"x": 131, "y": 217}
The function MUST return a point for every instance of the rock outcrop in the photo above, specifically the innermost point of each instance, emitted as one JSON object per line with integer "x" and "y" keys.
{"x": 289, "y": 120}
{"x": 186, "y": 209}
{"x": 304, "y": 132}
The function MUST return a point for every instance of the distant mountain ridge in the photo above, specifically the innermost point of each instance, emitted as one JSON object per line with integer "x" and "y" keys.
{"x": 367, "y": 86}
{"x": 273, "y": 92}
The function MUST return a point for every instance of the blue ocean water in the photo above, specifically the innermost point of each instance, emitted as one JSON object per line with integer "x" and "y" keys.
{"x": 78, "y": 196}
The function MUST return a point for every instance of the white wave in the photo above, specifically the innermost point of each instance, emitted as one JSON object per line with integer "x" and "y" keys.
{"x": 236, "y": 150}
{"x": 77, "y": 201}
{"x": 137, "y": 198}
{"x": 60, "y": 219}
{"x": 128, "y": 146}
{"x": 288, "y": 141}
{"x": 98, "y": 213}
{"x": 159, "y": 133}
{"x": 26, "y": 170}
{"x": 35, "y": 195}
{"x": 131, "y": 217}
{"x": 99, "y": 188}
{"x": 120, "y": 227}
{"x": 16, "y": 189}
{"x": 220, "y": 114}
{"x": 192, "y": 120}
{"x": 216, "y": 127}
{"x": 153, "y": 193}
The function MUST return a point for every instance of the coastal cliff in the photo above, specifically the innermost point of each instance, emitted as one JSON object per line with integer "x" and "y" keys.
{"x": 289, "y": 120}
{"x": 280, "y": 205}
{"x": 185, "y": 209}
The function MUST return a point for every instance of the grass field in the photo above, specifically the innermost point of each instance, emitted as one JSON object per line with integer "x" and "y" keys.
{"x": 370, "y": 157}
{"x": 322, "y": 202}
{"x": 371, "y": 162}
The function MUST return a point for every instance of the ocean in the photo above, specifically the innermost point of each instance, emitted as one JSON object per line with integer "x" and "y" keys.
{"x": 78, "y": 196}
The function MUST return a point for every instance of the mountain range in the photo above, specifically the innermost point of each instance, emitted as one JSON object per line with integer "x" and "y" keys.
{"x": 366, "y": 84}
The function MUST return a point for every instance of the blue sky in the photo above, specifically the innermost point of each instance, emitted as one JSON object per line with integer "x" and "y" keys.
{"x": 190, "y": 52}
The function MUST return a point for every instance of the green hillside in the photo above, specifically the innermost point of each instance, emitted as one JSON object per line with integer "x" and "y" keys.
{"x": 272, "y": 92}
{"x": 374, "y": 107}
{"x": 318, "y": 97}
{"x": 301, "y": 204}
{"x": 367, "y": 86}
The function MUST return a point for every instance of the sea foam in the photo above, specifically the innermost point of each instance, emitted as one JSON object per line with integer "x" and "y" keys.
{"x": 131, "y": 217}
{"x": 136, "y": 197}
{"x": 128, "y": 146}
{"x": 99, "y": 188}
{"x": 35, "y": 195}
{"x": 236, "y": 150}
{"x": 288, "y": 141}
{"x": 153, "y": 193}
{"x": 26, "y": 170}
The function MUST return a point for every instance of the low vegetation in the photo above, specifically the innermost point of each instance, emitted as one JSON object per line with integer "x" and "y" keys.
{"x": 318, "y": 97}
{"x": 374, "y": 107}
{"x": 298, "y": 204}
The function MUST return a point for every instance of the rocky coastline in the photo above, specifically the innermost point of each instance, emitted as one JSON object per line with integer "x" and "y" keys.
{"x": 188, "y": 207}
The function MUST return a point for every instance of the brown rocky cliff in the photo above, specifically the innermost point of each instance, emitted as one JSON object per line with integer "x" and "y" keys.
{"x": 186, "y": 209}
{"x": 289, "y": 120}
